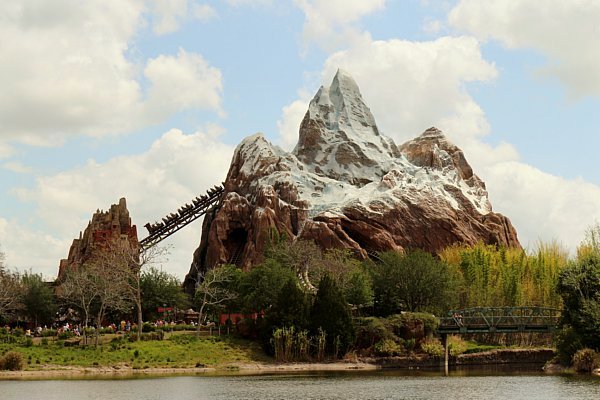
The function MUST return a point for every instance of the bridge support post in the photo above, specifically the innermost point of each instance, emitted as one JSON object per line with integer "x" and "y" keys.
{"x": 445, "y": 361}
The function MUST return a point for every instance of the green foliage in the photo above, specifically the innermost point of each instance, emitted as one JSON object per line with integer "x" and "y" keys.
{"x": 331, "y": 313}
{"x": 456, "y": 346}
{"x": 37, "y": 298}
{"x": 12, "y": 361}
{"x": 415, "y": 281}
{"x": 579, "y": 286}
{"x": 388, "y": 347}
{"x": 413, "y": 325}
{"x": 291, "y": 345}
{"x": 160, "y": 289}
{"x": 433, "y": 347}
{"x": 371, "y": 330}
{"x": 290, "y": 309}
{"x": 586, "y": 360}
{"x": 495, "y": 277}
{"x": 260, "y": 286}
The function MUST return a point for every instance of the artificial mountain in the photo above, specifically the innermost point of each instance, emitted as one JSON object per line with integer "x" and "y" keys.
{"x": 345, "y": 185}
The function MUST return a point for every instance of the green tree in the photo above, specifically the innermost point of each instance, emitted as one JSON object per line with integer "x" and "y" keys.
{"x": 160, "y": 289}
{"x": 358, "y": 290}
{"x": 414, "y": 281}
{"x": 331, "y": 314}
{"x": 38, "y": 300}
{"x": 579, "y": 286}
{"x": 260, "y": 286}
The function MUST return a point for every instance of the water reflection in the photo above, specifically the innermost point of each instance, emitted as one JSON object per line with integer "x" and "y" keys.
{"x": 329, "y": 385}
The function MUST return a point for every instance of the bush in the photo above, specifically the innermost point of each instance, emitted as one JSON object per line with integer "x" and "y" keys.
{"x": 369, "y": 331}
{"x": 65, "y": 335}
{"x": 416, "y": 326}
{"x": 586, "y": 360}
{"x": 433, "y": 347}
{"x": 49, "y": 332}
{"x": 12, "y": 361}
{"x": 567, "y": 343}
{"x": 388, "y": 347}
{"x": 456, "y": 346}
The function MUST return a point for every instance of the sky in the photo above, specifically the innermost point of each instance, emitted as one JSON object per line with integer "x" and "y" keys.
{"x": 146, "y": 100}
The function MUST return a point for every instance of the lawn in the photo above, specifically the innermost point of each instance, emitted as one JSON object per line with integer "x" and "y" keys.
{"x": 178, "y": 351}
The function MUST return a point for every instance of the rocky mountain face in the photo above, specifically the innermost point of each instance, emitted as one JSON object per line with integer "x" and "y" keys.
{"x": 345, "y": 185}
{"x": 105, "y": 226}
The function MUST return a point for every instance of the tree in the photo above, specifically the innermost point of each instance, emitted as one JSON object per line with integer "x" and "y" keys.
{"x": 349, "y": 274}
{"x": 331, "y": 314}
{"x": 301, "y": 256}
{"x": 215, "y": 289}
{"x": 38, "y": 300}
{"x": 159, "y": 289}
{"x": 414, "y": 281}
{"x": 10, "y": 288}
{"x": 579, "y": 286}
{"x": 260, "y": 286}
{"x": 125, "y": 262}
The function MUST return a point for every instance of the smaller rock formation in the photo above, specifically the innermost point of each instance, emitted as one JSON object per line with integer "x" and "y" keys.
{"x": 105, "y": 226}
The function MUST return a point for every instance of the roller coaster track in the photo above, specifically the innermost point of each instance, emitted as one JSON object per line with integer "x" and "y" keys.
{"x": 185, "y": 215}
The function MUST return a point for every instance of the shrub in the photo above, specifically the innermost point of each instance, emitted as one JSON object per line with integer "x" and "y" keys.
{"x": 48, "y": 332}
{"x": 28, "y": 342}
{"x": 388, "y": 347}
{"x": 413, "y": 325}
{"x": 369, "y": 331}
{"x": 456, "y": 346}
{"x": 433, "y": 347}
{"x": 12, "y": 361}
{"x": 567, "y": 343}
{"x": 65, "y": 335}
{"x": 586, "y": 360}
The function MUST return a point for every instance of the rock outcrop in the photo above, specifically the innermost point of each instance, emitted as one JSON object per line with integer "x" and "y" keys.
{"x": 105, "y": 226}
{"x": 345, "y": 185}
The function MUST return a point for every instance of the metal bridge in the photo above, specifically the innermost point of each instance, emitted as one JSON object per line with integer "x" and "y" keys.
{"x": 500, "y": 320}
{"x": 185, "y": 215}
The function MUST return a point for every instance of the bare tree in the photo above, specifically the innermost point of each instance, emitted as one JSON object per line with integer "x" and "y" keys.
{"x": 78, "y": 290}
{"x": 10, "y": 285}
{"x": 125, "y": 263}
{"x": 215, "y": 289}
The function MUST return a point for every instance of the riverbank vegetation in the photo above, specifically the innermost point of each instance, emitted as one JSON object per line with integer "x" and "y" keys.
{"x": 305, "y": 304}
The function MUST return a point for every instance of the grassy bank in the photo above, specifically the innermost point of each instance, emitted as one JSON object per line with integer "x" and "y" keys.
{"x": 182, "y": 350}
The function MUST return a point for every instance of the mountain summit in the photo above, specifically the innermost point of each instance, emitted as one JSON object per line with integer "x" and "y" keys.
{"x": 339, "y": 137}
{"x": 345, "y": 185}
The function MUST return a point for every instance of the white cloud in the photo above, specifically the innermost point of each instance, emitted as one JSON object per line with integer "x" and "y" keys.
{"x": 169, "y": 15}
{"x": 565, "y": 31}
{"x": 31, "y": 249}
{"x": 182, "y": 82}
{"x": 541, "y": 205}
{"x": 203, "y": 12}
{"x": 332, "y": 24}
{"x": 17, "y": 167}
{"x": 173, "y": 171}
{"x": 65, "y": 71}
{"x": 5, "y": 150}
{"x": 289, "y": 123}
{"x": 411, "y": 86}
{"x": 251, "y": 3}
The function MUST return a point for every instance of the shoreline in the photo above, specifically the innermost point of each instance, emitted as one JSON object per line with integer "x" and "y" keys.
{"x": 500, "y": 358}
{"x": 59, "y": 372}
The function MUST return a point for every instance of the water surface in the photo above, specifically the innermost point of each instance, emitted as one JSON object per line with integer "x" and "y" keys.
{"x": 329, "y": 385}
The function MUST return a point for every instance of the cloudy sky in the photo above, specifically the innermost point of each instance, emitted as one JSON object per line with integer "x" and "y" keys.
{"x": 103, "y": 99}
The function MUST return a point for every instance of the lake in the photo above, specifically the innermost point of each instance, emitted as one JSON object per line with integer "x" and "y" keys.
{"x": 471, "y": 384}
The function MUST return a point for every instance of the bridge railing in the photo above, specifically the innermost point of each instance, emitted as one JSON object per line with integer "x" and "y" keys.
{"x": 500, "y": 319}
